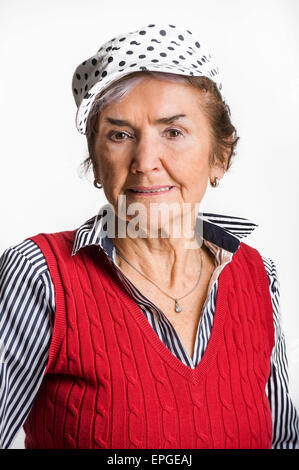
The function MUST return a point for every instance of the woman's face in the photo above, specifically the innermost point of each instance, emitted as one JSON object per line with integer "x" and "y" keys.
{"x": 156, "y": 136}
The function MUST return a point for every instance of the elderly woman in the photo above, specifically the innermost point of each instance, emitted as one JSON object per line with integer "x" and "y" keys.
{"x": 155, "y": 330}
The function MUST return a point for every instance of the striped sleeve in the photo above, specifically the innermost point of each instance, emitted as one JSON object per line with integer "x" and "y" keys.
{"x": 284, "y": 415}
{"x": 26, "y": 318}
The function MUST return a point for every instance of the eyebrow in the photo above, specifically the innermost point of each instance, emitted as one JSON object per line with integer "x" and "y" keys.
{"x": 164, "y": 120}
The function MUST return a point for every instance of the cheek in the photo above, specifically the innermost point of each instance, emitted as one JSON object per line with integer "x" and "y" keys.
{"x": 109, "y": 166}
{"x": 113, "y": 176}
{"x": 193, "y": 167}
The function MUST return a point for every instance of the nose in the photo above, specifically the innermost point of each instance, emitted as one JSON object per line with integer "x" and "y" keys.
{"x": 146, "y": 155}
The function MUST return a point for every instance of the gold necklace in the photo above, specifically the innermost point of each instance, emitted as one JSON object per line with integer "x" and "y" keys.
{"x": 177, "y": 307}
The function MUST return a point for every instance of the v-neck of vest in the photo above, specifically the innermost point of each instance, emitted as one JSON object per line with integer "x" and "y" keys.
{"x": 195, "y": 374}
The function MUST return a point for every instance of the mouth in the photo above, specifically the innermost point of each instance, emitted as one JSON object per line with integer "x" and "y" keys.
{"x": 152, "y": 191}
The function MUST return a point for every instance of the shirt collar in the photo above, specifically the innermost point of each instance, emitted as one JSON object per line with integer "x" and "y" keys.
{"x": 225, "y": 231}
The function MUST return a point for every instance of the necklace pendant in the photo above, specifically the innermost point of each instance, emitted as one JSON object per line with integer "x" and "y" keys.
{"x": 177, "y": 307}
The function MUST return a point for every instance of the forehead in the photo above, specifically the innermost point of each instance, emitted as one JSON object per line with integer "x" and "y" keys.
{"x": 156, "y": 99}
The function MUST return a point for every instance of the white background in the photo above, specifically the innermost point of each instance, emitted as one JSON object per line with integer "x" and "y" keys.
{"x": 254, "y": 42}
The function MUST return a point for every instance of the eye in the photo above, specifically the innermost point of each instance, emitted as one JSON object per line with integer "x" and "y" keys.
{"x": 118, "y": 133}
{"x": 173, "y": 130}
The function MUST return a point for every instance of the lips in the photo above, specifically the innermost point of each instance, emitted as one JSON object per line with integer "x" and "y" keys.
{"x": 150, "y": 190}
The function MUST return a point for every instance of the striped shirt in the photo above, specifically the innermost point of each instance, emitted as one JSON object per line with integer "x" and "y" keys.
{"x": 27, "y": 312}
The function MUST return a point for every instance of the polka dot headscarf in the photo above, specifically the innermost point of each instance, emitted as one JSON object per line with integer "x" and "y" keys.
{"x": 154, "y": 47}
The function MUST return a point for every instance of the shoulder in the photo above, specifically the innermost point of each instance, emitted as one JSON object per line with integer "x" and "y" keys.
{"x": 29, "y": 259}
{"x": 61, "y": 238}
{"x": 24, "y": 275}
{"x": 268, "y": 263}
{"x": 22, "y": 255}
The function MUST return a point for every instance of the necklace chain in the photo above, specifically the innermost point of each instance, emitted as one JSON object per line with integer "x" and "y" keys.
{"x": 177, "y": 307}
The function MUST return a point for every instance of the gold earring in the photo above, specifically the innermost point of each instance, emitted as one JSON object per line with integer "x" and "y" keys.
{"x": 95, "y": 183}
{"x": 215, "y": 183}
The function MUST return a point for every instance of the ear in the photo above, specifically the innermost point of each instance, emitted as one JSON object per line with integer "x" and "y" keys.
{"x": 217, "y": 169}
{"x": 96, "y": 174}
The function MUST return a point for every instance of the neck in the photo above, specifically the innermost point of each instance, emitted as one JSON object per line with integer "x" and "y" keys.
{"x": 175, "y": 260}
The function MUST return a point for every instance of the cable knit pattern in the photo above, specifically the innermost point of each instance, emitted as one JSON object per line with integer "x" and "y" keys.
{"x": 110, "y": 382}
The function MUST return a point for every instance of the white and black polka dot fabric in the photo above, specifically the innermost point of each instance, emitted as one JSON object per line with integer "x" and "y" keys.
{"x": 154, "y": 47}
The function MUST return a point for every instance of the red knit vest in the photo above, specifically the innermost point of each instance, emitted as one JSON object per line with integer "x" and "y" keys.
{"x": 110, "y": 382}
